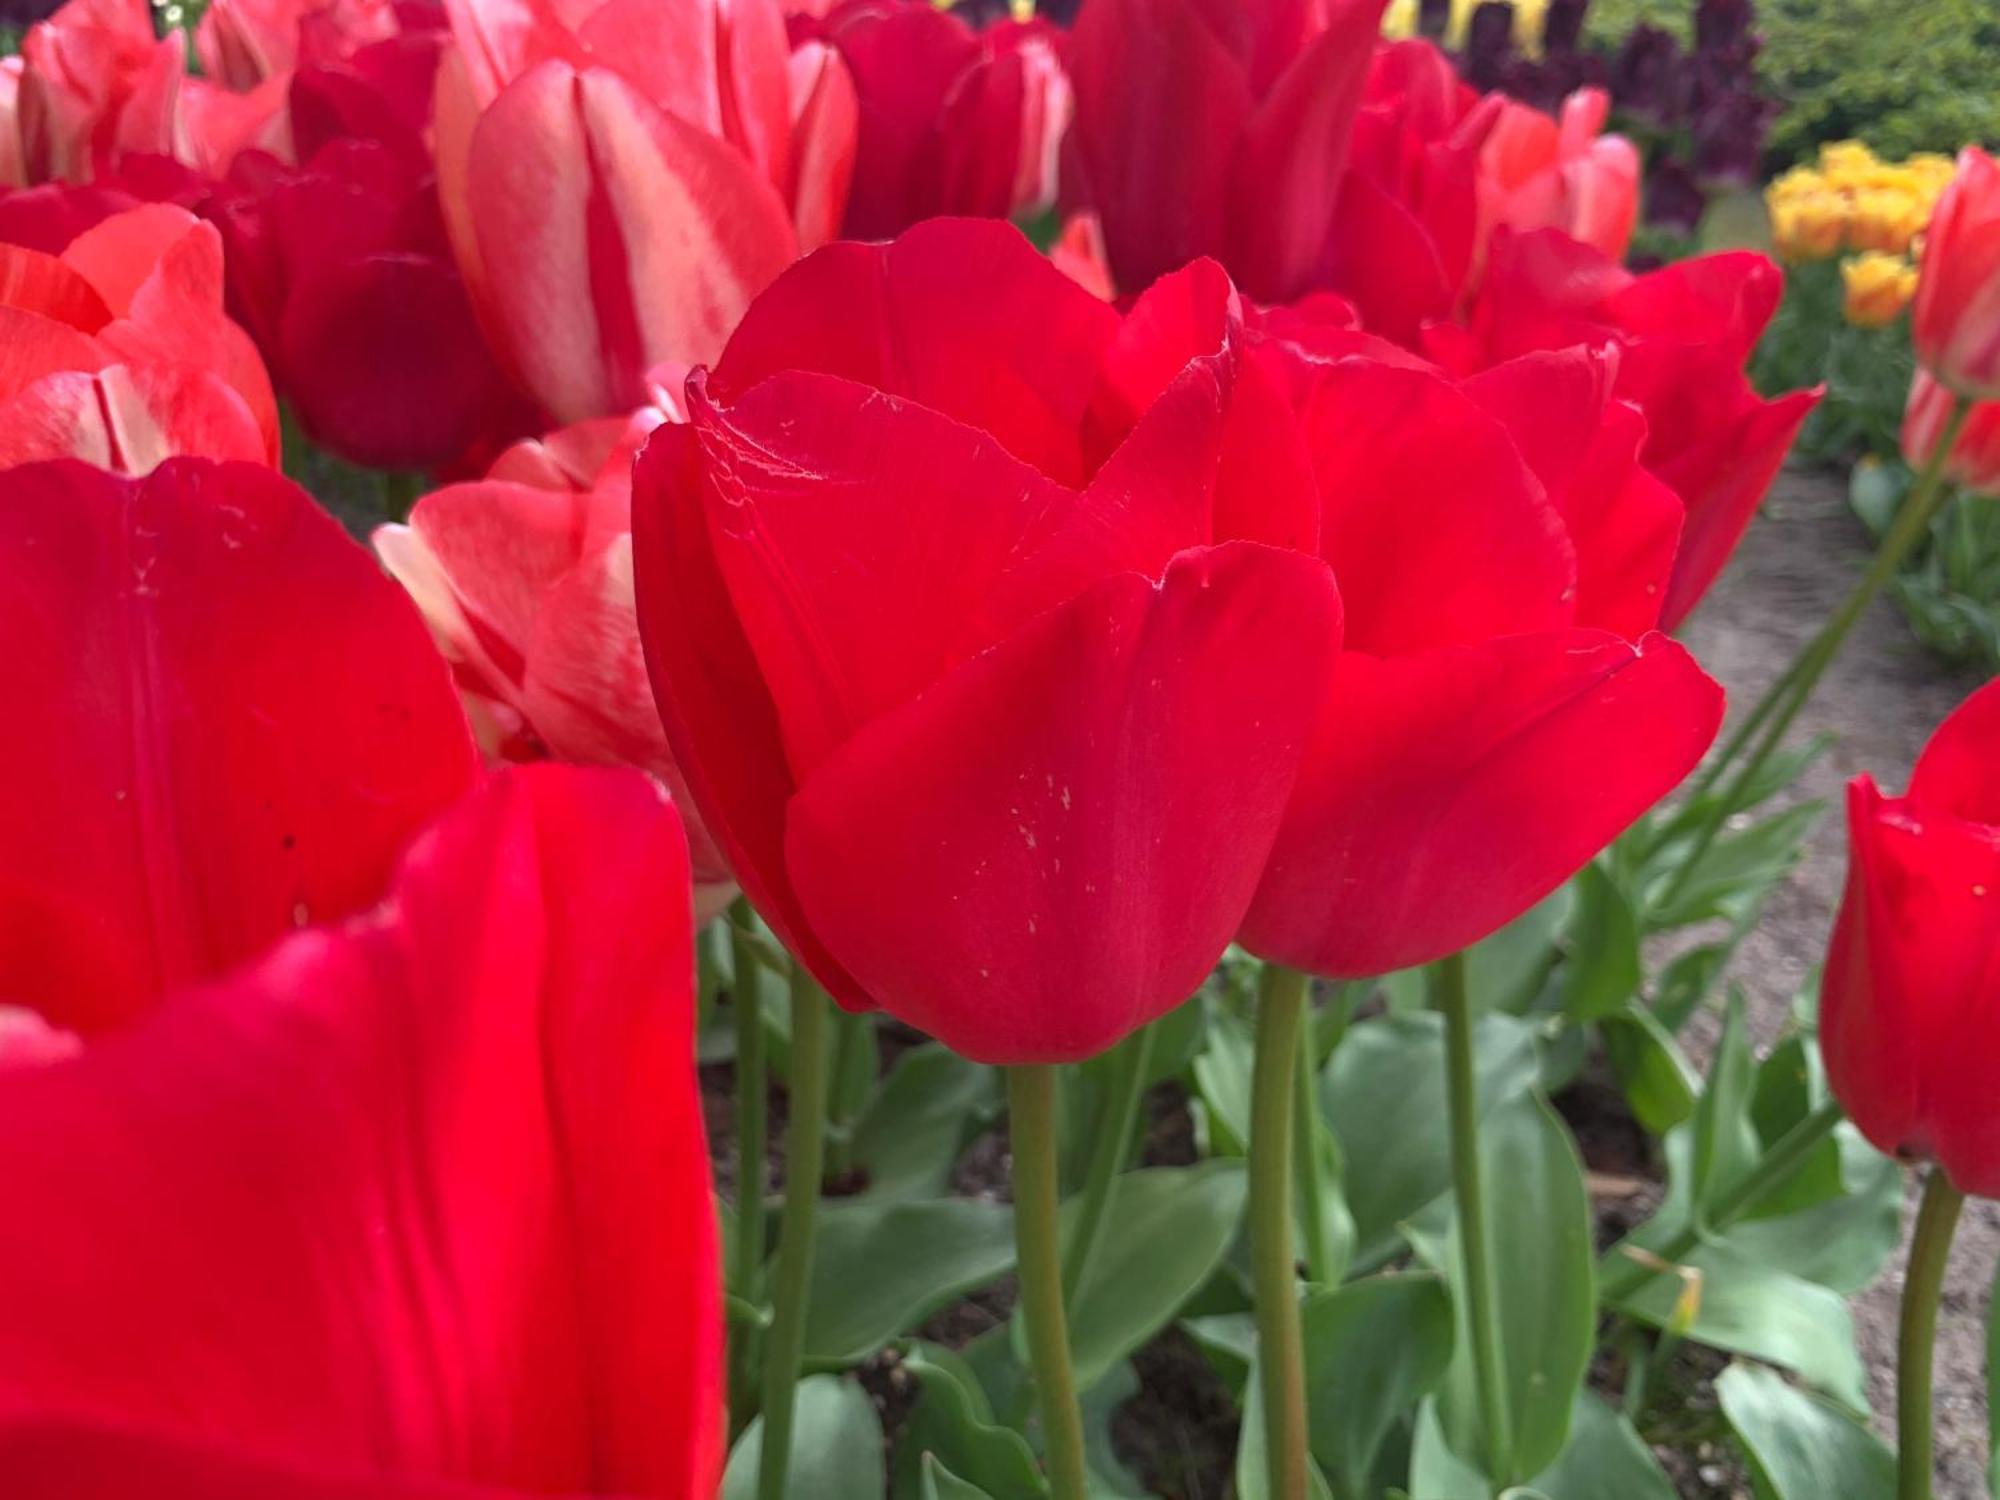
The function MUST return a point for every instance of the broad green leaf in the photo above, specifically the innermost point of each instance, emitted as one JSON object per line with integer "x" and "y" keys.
{"x": 1605, "y": 1460}
{"x": 1384, "y": 1096}
{"x": 941, "y": 1484}
{"x": 1506, "y": 972}
{"x": 1169, "y": 1230}
{"x": 1109, "y": 1478}
{"x": 836, "y": 1440}
{"x": 912, "y": 1131}
{"x": 1658, "y": 1082}
{"x": 1539, "y": 1224}
{"x": 1336, "y": 1223}
{"x": 954, "y": 1422}
{"x": 1229, "y": 1341}
{"x": 882, "y": 1268}
{"x": 1799, "y": 1446}
{"x": 1601, "y": 972}
{"x": 1684, "y": 983}
{"x": 1253, "y": 1461}
{"x": 1750, "y": 1307}
{"x": 1372, "y": 1348}
{"x": 1436, "y": 1472}
{"x": 1845, "y": 1241}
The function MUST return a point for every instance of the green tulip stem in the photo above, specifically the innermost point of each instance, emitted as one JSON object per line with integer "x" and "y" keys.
{"x": 1281, "y": 1011}
{"x": 805, "y": 1146}
{"x": 746, "y": 1273}
{"x": 1320, "y": 1269}
{"x": 1031, "y": 1123}
{"x": 1489, "y": 1366}
{"x": 1131, "y": 1061}
{"x": 1773, "y": 1168}
{"x": 1930, "y": 1249}
{"x": 847, "y": 1090}
{"x": 1785, "y": 699}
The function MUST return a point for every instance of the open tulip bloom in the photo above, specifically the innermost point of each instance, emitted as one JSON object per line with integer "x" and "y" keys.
{"x": 351, "y": 1138}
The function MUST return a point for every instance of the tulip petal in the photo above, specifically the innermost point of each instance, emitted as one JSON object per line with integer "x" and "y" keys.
{"x": 1957, "y": 772}
{"x": 612, "y": 236}
{"x": 1054, "y": 844}
{"x": 129, "y": 418}
{"x": 1624, "y": 523}
{"x": 959, "y": 314}
{"x": 238, "y": 720}
{"x": 1438, "y": 531}
{"x": 824, "y": 133}
{"x": 425, "y": 1192}
{"x": 1448, "y": 792}
{"x": 33, "y": 346}
{"x": 38, "y": 283}
{"x": 1294, "y": 153}
{"x": 711, "y": 693}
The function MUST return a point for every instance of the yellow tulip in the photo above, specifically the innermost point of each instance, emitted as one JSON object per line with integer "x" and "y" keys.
{"x": 1809, "y": 226}
{"x": 1876, "y": 288}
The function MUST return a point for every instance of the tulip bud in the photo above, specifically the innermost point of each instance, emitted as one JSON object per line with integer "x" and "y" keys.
{"x": 1957, "y": 319}
{"x": 1909, "y": 1023}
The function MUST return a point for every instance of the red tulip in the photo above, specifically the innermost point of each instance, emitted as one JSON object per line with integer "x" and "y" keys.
{"x": 1683, "y": 335}
{"x": 1500, "y": 712}
{"x": 413, "y": 1198}
{"x": 618, "y": 189}
{"x": 972, "y": 615}
{"x": 1218, "y": 129}
{"x": 1908, "y": 1010}
{"x": 1955, "y": 320}
{"x": 242, "y": 43}
{"x": 343, "y": 272}
{"x": 525, "y": 578}
{"x": 210, "y": 767}
{"x": 952, "y": 120}
{"x": 1974, "y": 461}
{"x": 120, "y": 352}
{"x": 473, "y": 1062}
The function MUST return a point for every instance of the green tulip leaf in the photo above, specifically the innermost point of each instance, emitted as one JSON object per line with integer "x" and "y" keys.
{"x": 882, "y": 1268}
{"x": 953, "y": 1423}
{"x": 1539, "y": 1223}
{"x": 1801, "y": 1447}
{"x": 1372, "y": 1349}
{"x": 941, "y": 1484}
{"x": 1658, "y": 1082}
{"x": 1383, "y": 1096}
{"x": 912, "y": 1131}
{"x": 1601, "y": 972}
{"x": 836, "y": 1439}
{"x": 1167, "y": 1232}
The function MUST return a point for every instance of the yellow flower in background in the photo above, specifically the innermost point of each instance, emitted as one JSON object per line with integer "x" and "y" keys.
{"x": 1530, "y": 16}
{"x": 1876, "y": 288}
{"x": 1809, "y": 226}
{"x": 1851, "y": 199}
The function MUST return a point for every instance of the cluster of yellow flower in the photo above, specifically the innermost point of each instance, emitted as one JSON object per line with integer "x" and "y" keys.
{"x": 1400, "y": 20}
{"x": 1853, "y": 201}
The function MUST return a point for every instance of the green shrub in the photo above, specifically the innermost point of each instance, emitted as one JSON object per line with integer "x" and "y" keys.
{"x": 1902, "y": 75}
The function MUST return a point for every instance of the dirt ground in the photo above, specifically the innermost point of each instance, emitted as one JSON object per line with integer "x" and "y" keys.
{"x": 1881, "y": 699}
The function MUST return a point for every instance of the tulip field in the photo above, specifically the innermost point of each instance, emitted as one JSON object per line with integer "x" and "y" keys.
{"x": 885, "y": 750}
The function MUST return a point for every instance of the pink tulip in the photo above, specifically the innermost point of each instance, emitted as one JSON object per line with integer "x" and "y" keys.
{"x": 619, "y": 185}
{"x": 1538, "y": 174}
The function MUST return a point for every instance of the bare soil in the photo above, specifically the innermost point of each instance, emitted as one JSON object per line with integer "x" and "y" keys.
{"x": 1881, "y": 700}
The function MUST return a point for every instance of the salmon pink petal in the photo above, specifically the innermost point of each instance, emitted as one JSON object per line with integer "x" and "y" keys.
{"x": 214, "y": 763}
{"x": 31, "y": 281}
{"x": 129, "y": 418}
{"x": 1053, "y": 845}
{"x": 612, "y": 236}
{"x": 424, "y": 1192}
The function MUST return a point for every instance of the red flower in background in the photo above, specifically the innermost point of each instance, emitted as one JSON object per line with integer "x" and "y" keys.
{"x": 619, "y": 186}
{"x": 120, "y": 352}
{"x": 952, "y": 120}
{"x": 1909, "y": 1011}
{"x": 973, "y": 617}
{"x": 1955, "y": 319}
{"x": 343, "y": 271}
{"x": 525, "y": 578}
{"x": 1205, "y": 127}
{"x": 1974, "y": 461}
{"x": 1500, "y": 711}
{"x": 485, "y": 1073}
{"x": 1682, "y": 334}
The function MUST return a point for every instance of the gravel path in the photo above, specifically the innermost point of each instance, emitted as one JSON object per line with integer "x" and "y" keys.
{"x": 1881, "y": 699}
